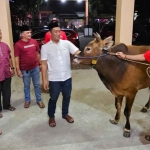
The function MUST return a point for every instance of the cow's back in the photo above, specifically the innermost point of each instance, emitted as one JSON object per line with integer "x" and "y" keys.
{"x": 137, "y": 49}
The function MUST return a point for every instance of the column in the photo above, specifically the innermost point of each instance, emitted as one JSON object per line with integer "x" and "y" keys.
{"x": 87, "y": 11}
{"x": 124, "y": 21}
{"x": 5, "y": 25}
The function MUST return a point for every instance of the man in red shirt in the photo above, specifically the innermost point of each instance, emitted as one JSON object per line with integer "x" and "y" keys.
{"x": 139, "y": 57}
{"x": 48, "y": 34}
{"x": 27, "y": 59}
{"x": 6, "y": 72}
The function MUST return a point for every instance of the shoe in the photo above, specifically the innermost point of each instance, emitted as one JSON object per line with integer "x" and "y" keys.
{"x": 68, "y": 118}
{"x": 52, "y": 122}
{"x": 26, "y": 104}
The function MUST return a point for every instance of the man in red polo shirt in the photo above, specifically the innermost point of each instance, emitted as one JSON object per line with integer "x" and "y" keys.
{"x": 48, "y": 35}
{"x": 27, "y": 59}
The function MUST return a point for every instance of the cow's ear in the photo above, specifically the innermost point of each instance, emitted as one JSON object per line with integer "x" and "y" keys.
{"x": 97, "y": 36}
{"x": 108, "y": 39}
{"x": 108, "y": 42}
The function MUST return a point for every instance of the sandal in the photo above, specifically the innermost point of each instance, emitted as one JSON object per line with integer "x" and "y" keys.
{"x": 10, "y": 108}
{"x": 26, "y": 104}
{"x": 52, "y": 122}
{"x": 0, "y": 132}
{"x": 41, "y": 104}
{"x": 147, "y": 137}
{"x": 1, "y": 115}
{"x": 68, "y": 118}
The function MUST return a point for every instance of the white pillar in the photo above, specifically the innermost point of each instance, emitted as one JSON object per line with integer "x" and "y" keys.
{"x": 87, "y": 11}
{"x": 5, "y": 25}
{"x": 124, "y": 21}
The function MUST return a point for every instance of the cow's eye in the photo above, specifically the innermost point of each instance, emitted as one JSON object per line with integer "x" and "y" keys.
{"x": 87, "y": 49}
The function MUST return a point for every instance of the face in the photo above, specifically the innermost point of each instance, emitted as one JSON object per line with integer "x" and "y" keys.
{"x": 55, "y": 34}
{"x": 0, "y": 35}
{"x": 94, "y": 48}
{"x": 26, "y": 35}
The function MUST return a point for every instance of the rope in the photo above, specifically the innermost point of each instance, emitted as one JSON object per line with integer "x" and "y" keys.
{"x": 146, "y": 64}
{"x": 90, "y": 57}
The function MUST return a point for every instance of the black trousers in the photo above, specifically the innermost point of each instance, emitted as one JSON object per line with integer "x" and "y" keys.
{"x": 5, "y": 93}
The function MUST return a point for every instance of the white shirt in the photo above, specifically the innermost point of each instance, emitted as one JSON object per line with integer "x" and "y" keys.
{"x": 58, "y": 59}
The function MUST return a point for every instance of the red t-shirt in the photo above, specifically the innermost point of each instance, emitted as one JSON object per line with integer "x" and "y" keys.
{"x": 48, "y": 36}
{"x": 147, "y": 56}
{"x": 27, "y": 52}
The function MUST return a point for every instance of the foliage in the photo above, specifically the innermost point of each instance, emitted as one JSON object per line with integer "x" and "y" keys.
{"x": 21, "y": 8}
{"x": 98, "y": 7}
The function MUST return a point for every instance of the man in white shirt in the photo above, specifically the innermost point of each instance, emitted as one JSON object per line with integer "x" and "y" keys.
{"x": 55, "y": 60}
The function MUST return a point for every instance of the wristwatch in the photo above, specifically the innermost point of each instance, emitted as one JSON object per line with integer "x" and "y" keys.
{"x": 12, "y": 68}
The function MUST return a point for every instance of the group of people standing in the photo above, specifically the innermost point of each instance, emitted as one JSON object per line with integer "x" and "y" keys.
{"x": 54, "y": 62}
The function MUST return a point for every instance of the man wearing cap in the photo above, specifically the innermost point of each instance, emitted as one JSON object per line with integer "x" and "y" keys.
{"x": 27, "y": 59}
{"x": 55, "y": 59}
{"x": 6, "y": 72}
{"x": 48, "y": 34}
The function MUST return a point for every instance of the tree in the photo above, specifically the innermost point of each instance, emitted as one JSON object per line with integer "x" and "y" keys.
{"x": 98, "y": 7}
{"x": 20, "y": 8}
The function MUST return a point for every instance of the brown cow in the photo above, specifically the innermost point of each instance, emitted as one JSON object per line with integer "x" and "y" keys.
{"x": 123, "y": 78}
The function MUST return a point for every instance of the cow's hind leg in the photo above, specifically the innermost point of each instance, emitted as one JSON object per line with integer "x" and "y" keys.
{"x": 146, "y": 107}
{"x": 127, "y": 112}
{"x": 118, "y": 104}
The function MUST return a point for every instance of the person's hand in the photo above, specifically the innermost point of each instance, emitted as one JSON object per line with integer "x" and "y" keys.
{"x": 19, "y": 73}
{"x": 12, "y": 72}
{"x": 121, "y": 55}
{"x": 45, "y": 85}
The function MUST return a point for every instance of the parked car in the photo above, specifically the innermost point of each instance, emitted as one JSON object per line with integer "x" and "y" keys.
{"x": 109, "y": 30}
{"x": 72, "y": 36}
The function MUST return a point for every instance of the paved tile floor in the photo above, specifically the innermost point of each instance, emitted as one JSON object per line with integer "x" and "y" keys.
{"x": 92, "y": 105}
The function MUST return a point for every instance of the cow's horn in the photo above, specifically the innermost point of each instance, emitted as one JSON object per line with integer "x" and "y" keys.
{"x": 97, "y": 36}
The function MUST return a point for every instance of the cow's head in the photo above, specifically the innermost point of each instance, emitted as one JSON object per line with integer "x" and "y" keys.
{"x": 94, "y": 48}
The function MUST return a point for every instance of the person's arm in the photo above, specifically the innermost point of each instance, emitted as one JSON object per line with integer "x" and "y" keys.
{"x": 17, "y": 60}
{"x": 19, "y": 73}
{"x": 11, "y": 63}
{"x": 39, "y": 57}
{"x": 38, "y": 53}
{"x": 77, "y": 52}
{"x": 44, "y": 74}
{"x": 44, "y": 68}
{"x": 73, "y": 49}
{"x": 11, "y": 67}
{"x": 139, "y": 57}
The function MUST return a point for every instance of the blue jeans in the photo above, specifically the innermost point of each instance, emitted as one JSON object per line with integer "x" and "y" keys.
{"x": 35, "y": 75}
{"x": 55, "y": 88}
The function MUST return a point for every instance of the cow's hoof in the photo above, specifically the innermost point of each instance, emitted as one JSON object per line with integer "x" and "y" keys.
{"x": 144, "y": 110}
{"x": 126, "y": 133}
{"x": 113, "y": 121}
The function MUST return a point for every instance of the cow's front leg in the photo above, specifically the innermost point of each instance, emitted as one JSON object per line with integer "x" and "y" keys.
{"x": 118, "y": 104}
{"x": 127, "y": 112}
